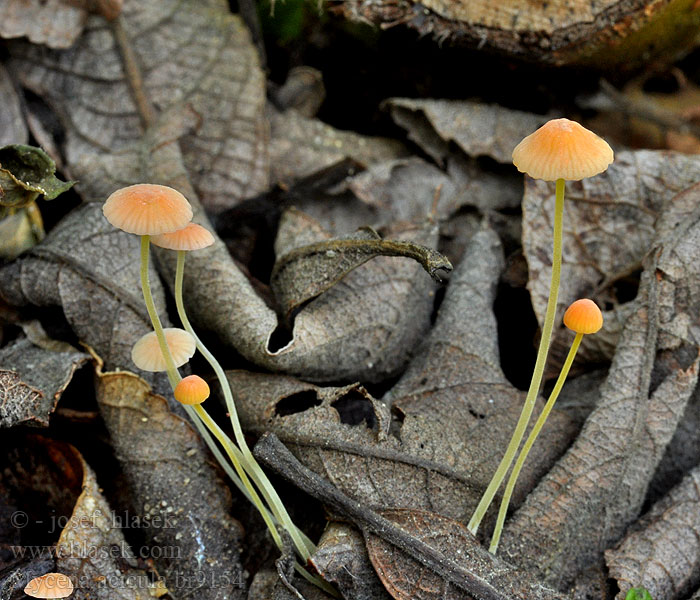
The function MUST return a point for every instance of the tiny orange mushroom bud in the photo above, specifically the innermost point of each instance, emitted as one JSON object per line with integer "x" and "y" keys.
{"x": 147, "y": 209}
{"x": 562, "y": 149}
{"x": 583, "y": 316}
{"x": 191, "y": 390}
{"x": 190, "y": 237}
{"x": 147, "y": 355}
{"x": 51, "y": 585}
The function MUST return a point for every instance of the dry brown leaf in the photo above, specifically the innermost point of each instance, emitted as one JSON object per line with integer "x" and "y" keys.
{"x": 32, "y": 380}
{"x": 56, "y": 23}
{"x": 478, "y": 129}
{"x": 13, "y": 129}
{"x": 407, "y": 579}
{"x": 92, "y": 550}
{"x": 608, "y": 229}
{"x": 91, "y": 270}
{"x": 662, "y": 552}
{"x": 300, "y": 146}
{"x": 587, "y": 500}
{"x": 195, "y": 58}
{"x": 173, "y": 486}
{"x": 341, "y": 558}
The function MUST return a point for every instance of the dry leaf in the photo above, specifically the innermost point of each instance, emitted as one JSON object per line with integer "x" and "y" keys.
{"x": 309, "y": 263}
{"x": 32, "y": 380}
{"x": 91, "y": 270}
{"x": 195, "y": 57}
{"x": 407, "y": 579}
{"x": 478, "y": 129}
{"x": 662, "y": 552}
{"x": 92, "y": 550}
{"x": 13, "y": 130}
{"x": 608, "y": 229}
{"x": 341, "y": 558}
{"x": 586, "y": 501}
{"x": 56, "y": 23}
{"x": 301, "y": 146}
{"x": 173, "y": 486}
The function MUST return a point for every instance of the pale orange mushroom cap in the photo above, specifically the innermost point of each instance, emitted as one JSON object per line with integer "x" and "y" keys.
{"x": 51, "y": 585}
{"x": 147, "y": 209}
{"x": 190, "y": 237}
{"x": 583, "y": 316}
{"x": 191, "y": 390}
{"x": 562, "y": 149}
{"x": 146, "y": 352}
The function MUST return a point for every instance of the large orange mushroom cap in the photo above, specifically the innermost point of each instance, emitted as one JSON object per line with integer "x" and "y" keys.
{"x": 51, "y": 585}
{"x": 147, "y": 209}
{"x": 583, "y": 316}
{"x": 146, "y": 352}
{"x": 562, "y": 149}
{"x": 191, "y": 237}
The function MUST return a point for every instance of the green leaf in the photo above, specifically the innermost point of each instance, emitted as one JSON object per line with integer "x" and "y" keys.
{"x": 638, "y": 593}
{"x": 27, "y": 172}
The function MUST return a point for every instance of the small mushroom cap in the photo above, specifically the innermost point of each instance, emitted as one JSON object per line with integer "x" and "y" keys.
{"x": 51, "y": 585}
{"x": 147, "y": 209}
{"x": 190, "y": 237}
{"x": 583, "y": 316}
{"x": 146, "y": 352}
{"x": 191, "y": 390}
{"x": 562, "y": 149}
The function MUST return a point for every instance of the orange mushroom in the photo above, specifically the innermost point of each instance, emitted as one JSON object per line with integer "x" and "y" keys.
{"x": 147, "y": 209}
{"x": 560, "y": 150}
{"x": 191, "y": 390}
{"x": 191, "y": 237}
{"x": 583, "y": 316}
{"x": 147, "y": 354}
{"x": 51, "y": 585}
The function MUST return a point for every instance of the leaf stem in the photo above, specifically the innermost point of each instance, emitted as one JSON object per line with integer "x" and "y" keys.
{"x": 536, "y": 380}
{"x": 530, "y": 441}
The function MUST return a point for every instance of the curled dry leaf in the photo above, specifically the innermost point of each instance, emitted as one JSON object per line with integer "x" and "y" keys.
{"x": 306, "y": 271}
{"x": 608, "y": 229}
{"x": 455, "y": 403}
{"x": 179, "y": 494}
{"x": 27, "y": 172}
{"x": 593, "y": 493}
{"x": 197, "y": 56}
{"x": 662, "y": 552}
{"x": 301, "y": 146}
{"x": 91, "y": 270}
{"x": 32, "y": 380}
{"x": 478, "y": 129}
{"x": 13, "y": 129}
{"x": 367, "y": 323}
{"x": 92, "y": 550}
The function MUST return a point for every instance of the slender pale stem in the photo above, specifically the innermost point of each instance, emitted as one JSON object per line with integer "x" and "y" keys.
{"x": 530, "y": 441}
{"x": 304, "y": 545}
{"x": 234, "y": 456}
{"x": 542, "y": 352}
{"x": 173, "y": 375}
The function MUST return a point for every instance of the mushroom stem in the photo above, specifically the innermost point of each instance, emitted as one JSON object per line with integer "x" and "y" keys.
{"x": 305, "y": 547}
{"x": 536, "y": 380}
{"x": 173, "y": 374}
{"x": 530, "y": 441}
